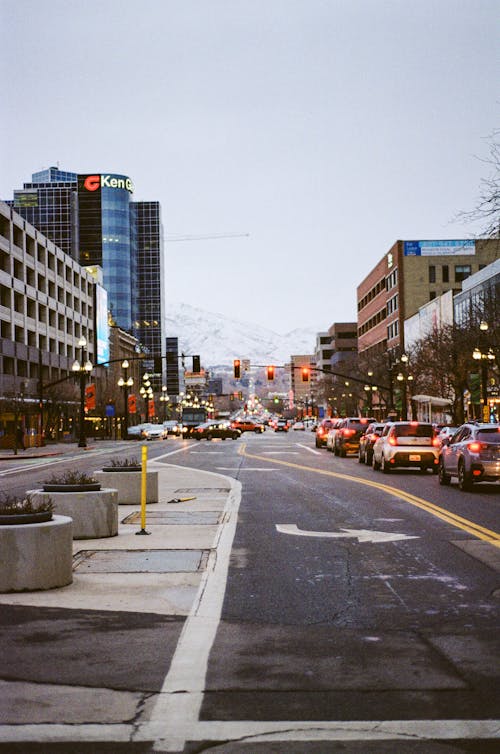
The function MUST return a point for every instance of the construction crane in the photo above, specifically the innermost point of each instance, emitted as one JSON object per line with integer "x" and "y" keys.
{"x": 174, "y": 239}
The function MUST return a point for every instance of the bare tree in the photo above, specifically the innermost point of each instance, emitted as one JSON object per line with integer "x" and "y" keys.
{"x": 487, "y": 210}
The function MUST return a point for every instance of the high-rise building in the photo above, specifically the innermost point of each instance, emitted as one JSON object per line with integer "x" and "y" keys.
{"x": 92, "y": 217}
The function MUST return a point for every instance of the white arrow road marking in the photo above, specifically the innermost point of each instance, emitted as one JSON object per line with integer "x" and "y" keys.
{"x": 362, "y": 535}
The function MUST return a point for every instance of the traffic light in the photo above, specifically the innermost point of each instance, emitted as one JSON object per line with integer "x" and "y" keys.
{"x": 237, "y": 369}
{"x": 270, "y": 373}
{"x": 196, "y": 365}
{"x": 306, "y": 372}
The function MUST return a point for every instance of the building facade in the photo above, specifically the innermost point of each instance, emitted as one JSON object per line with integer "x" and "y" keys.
{"x": 407, "y": 277}
{"x": 47, "y": 304}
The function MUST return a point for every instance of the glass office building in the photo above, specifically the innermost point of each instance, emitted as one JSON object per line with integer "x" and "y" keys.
{"x": 105, "y": 239}
{"x": 93, "y": 219}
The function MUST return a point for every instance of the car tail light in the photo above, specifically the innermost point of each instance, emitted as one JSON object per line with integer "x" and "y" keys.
{"x": 393, "y": 440}
{"x": 373, "y": 437}
{"x": 474, "y": 447}
{"x": 348, "y": 432}
{"x": 321, "y": 431}
{"x": 436, "y": 442}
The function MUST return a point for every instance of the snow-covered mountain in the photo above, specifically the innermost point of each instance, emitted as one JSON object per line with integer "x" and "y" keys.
{"x": 219, "y": 339}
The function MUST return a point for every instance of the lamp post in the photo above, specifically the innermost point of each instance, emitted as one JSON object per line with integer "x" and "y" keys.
{"x": 486, "y": 357}
{"x": 403, "y": 378}
{"x": 164, "y": 399}
{"x": 147, "y": 393}
{"x": 125, "y": 382}
{"x": 370, "y": 388}
{"x": 83, "y": 367}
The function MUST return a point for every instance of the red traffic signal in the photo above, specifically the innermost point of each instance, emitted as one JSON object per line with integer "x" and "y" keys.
{"x": 306, "y": 373}
{"x": 237, "y": 369}
{"x": 270, "y": 373}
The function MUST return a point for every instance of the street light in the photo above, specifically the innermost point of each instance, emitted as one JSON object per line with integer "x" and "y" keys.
{"x": 370, "y": 389}
{"x": 164, "y": 399}
{"x": 147, "y": 393}
{"x": 84, "y": 367}
{"x": 403, "y": 377}
{"x": 125, "y": 382}
{"x": 486, "y": 357}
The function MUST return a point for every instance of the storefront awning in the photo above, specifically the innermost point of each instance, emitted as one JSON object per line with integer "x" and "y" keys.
{"x": 433, "y": 400}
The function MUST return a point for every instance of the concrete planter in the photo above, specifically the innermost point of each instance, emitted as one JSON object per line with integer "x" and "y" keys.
{"x": 94, "y": 514}
{"x": 36, "y": 556}
{"x": 128, "y": 484}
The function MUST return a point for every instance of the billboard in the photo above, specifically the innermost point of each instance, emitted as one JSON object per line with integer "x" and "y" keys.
{"x": 101, "y": 324}
{"x": 435, "y": 248}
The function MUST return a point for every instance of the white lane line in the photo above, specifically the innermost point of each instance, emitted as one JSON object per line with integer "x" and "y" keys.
{"x": 280, "y": 452}
{"x": 258, "y": 731}
{"x": 178, "y": 707}
{"x": 224, "y": 468}
{"x": 311, "y": 450}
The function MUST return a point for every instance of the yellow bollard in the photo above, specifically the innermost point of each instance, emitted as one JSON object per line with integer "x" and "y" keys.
{"x": 144, "y": 458}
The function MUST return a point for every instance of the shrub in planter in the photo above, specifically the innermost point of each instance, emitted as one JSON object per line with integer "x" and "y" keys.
{"x": 23, "y": 510}
{"x": 36, "y": 547}
{"x": 123, "y": 464}
{"x": 71, "y": 481}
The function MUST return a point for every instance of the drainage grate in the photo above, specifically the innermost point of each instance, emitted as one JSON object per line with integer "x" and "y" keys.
{"x": 175, "y": 517}
{"x": 140, "y": 561}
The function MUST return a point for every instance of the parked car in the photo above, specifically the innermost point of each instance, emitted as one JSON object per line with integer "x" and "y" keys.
{"x": 322, "y": 430}
{"x": 154, "y": 432}
{"x": 472, "y": 455}
{"x": 406, "y": 444}
{"x": 247, "y": 425}
{"x": 367, "y": 441}
{"x": 348, "y": 433}
{"x": 215, "y": 429}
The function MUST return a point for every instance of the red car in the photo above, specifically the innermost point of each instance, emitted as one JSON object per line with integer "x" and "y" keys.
{"x": 246, "y": 425}
{"x": 322, "y": 430}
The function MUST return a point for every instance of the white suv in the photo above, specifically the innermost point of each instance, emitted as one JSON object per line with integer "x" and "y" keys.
{"x": 407, "y": 444}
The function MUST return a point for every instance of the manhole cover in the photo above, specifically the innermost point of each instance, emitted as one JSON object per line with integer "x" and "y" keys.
{"x": 140, "y": 561}
{"x": 175, "y": 517}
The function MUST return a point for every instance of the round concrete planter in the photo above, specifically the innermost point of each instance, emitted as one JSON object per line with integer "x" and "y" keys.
{"x": 36, "y": 556}
{"x": 128, "y": 484}
{"x": 94, "y": 514}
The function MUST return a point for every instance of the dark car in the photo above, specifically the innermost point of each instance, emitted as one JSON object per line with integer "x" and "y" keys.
{"x": 281, "y": 425}
{"x": 472, "y": 455}
{"x": 367, "y": 441}
{"x": 214, "y": 429}
{"x": 348, "y": 434}
{"x": 322, "y": 430}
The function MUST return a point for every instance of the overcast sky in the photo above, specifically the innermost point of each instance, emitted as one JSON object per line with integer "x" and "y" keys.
{"x": 325, "y": 129}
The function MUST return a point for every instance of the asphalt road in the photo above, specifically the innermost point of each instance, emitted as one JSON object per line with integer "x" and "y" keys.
{"x": 326, "y": 624}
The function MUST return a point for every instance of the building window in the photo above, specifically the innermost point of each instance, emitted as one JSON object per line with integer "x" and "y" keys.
{"x": 462, "y": 271}
{"x": 446, "y": 273}
{"x": 432, "y": 295}
{"x": 432, "y": 273}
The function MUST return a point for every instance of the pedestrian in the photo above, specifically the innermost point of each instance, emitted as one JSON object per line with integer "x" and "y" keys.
{"x": 20, "y": 438}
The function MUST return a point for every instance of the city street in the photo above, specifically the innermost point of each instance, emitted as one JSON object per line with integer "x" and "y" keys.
{"x": 360, "y": 611}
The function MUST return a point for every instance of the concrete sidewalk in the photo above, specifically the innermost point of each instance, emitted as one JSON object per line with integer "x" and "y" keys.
{"x": 128, "y": 578}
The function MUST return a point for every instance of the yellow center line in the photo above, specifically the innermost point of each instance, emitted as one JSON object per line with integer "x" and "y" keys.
{"x": 451, "y": 518}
